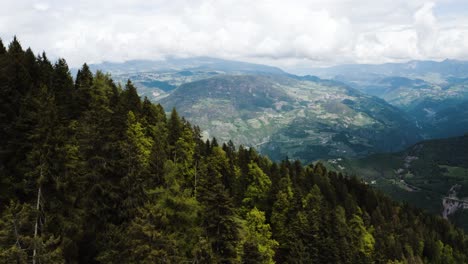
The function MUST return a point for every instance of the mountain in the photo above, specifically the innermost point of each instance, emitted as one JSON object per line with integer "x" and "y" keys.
{"x": 434, "y": 94}
{"x": 280, "y": 113}
{"x": 91, "y": 173}
{"x": 300, "y": 117}
{"x": 431, "y": 174}
{"x": 155, "y": 78}
{"x": 433, "y": 71}
{"x": 439, "y": 118}
{"x": 434, "y": 109}
{"x": 180, "y": 64}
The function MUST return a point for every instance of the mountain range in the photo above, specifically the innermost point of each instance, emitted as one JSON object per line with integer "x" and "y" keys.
{"x": 434, "y": 93}
{"x": 283, "y": 115}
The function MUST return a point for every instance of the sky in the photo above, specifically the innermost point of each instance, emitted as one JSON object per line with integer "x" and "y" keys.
{"x": 289, "y": 34}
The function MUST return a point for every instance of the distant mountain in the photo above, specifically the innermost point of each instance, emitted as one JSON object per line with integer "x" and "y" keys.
{"x": 426, "y": 70}
{"x": 440, "y": 118}
{"x": 307, "y": 117}
{"x": 299, "y": 117}
{"x": 433, "y": 93}
{"x": 431, "y": 174}
{"x": 180, "y": 64}
{"x": 155, "y": 78}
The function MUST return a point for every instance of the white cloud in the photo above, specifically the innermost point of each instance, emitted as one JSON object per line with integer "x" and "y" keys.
{"x": 284, "y": 33}
{"x": 426, "y": 28}
{"x": 41, "y": 6}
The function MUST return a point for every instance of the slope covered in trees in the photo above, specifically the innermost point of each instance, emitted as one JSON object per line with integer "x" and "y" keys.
{"x": 90, "y": 173}
{"x": 423, "y": 175}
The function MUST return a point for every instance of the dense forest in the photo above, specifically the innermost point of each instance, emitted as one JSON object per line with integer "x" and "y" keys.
{"x": 90, "y": 173}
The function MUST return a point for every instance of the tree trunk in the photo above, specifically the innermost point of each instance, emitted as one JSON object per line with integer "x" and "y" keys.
{"x": 36, "y": 225}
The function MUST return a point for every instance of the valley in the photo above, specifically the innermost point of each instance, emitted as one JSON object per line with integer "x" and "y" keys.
{"x": 433, "y": 93}
{"x": 284, "y": 115}
{"x": 346, "y": 121}
{"x": 432, "y": 175}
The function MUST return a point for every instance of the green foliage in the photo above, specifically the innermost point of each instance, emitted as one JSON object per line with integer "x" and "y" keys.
{"x": 258, "y": 238}
{"x": 17, "y": 240}
{"x": 258, "y": 187}
{"x": 137, "y": 141}
{"x": 166, "y": 229}
{"x": 361, "y": 237}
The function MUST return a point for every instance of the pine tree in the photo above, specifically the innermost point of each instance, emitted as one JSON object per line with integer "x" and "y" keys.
{"x": 63, "y": 89}
{"x": 258, "y": 189}
{"x": 130, "y": 98}
{"x": 175, "y": 127}
{"x": 220, "y": 222}
{"x": 2, "y": 48}
{"x": 83, "y": 90}
{"x": 136, "y": 159}
{"x": 258, "y": 236}
{"x": 15, "y": 233}
{"x": 165, "y": 229}
{"x": 19, "y": 240}
{"x": 281, "y": 210}
{"x": 361, "y": 238}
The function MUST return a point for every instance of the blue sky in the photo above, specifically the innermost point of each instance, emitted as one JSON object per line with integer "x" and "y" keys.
{"x": 293, "y": 33}
{"x": 451, "y": 8}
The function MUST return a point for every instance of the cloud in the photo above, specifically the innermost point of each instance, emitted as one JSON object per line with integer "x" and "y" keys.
{"x": 284, "y": 33}
{"x": 41, "y": 6}
{"x": 426, "y": 28}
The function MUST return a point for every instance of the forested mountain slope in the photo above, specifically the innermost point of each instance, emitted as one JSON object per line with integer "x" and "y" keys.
{"x": 432, "y": 175}
{"x": 90, "y": 173}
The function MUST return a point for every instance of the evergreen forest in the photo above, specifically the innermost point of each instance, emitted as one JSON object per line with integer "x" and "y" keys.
{"x": 92, "y": 173}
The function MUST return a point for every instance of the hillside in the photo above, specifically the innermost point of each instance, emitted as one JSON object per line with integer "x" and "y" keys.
{"x": 156, "y": 78}
{"x": 299, "y": 117}
{"x": 439, "y": 109}
{"x": 434, "y": 94}
{"x": 423, "y": 175}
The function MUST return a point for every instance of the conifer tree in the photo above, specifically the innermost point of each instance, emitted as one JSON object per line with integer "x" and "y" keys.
{"x": 259, "y": 243}
{"x": 258, "y": 189}
{"x": 131, "y": 99}
{"x": 220, "y": 221}
{"x": 63, "y": 89}
{"x": 166, "y": 229}
{"x": 362, "y": 239}
{"x": 175, "y": 127}
{"x": 83, "y": 92}
{"x": 2, "y": 48}
{"x": 282, "y": 208}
